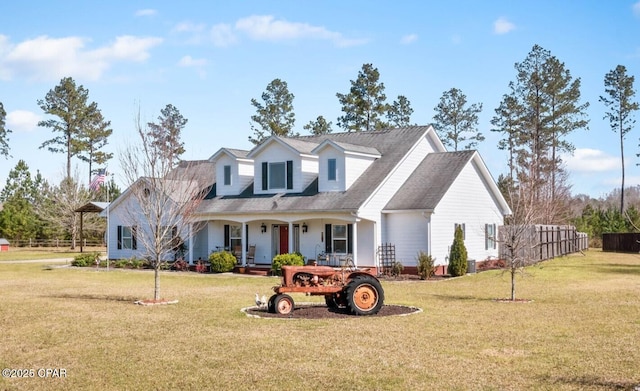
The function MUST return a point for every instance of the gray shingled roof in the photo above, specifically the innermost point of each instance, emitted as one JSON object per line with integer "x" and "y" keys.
{"x": 357, "y": 148}
{"x": 430, "y": 181}
{"x": 393, "y": 145}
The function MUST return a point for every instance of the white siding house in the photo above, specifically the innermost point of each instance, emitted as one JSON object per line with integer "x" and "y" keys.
{"x": 345, "y": 194}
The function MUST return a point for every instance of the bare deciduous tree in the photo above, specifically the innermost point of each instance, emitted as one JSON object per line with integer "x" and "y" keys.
{"x": 164, "y": 198}
{"x": 518, "y": 235}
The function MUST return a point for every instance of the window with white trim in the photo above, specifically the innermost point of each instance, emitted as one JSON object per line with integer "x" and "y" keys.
{"x": 332, "y": 169}
{"x": 235, "y": 237}
{"x": 490, "y": 236}
{"x": 277, "y": 175}
{"x": 227, "y": 175}
{"x": 126, "y": 238}
{"x": 339, "y": 238}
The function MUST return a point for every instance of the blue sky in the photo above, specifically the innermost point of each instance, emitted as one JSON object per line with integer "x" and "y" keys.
{"x": 210, "y": 58}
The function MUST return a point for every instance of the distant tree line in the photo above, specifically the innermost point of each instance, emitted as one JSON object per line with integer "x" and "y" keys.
{"x": 541, "y": 108}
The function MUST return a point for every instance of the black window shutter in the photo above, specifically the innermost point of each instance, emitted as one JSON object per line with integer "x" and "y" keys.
{"x": 289, "y": 174}
{"x": 265, "y": 176}
{"x": 119, "y": 237}
{"x": 134, "y": 242}
{"x": 350, "y": 238}
{"x": 327, "y": 238}
{"x": 227, "y": 242}
{"x": 246, "y": 236}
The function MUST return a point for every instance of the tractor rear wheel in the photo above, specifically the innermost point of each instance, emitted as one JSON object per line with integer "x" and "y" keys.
{"x": 365, "y": 295}
{"x": 283, "y": 304}
{"x": 271, "y": 308}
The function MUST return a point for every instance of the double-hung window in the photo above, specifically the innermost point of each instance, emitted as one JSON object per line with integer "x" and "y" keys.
{"x": 339, "y": 237}
{"x": 126, "y": 238}
{"x": 490, "y": 236}
{"x": 331, "y": 170}
{"x": 227, "y": 175}
{"x": 277, "y": 175}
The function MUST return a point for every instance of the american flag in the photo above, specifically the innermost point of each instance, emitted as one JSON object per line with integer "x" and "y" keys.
{"x": 98, "y": 180}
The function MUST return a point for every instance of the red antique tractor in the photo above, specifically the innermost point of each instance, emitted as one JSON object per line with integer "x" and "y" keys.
{"x": 358, "y": 290}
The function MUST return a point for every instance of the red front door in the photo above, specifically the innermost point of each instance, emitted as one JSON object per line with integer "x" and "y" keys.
{"x": 284, "y": 239}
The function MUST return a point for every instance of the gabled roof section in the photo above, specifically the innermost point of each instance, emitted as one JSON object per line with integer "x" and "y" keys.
{"x": 188, "y": 176}
{"x": 346, "y": 148}
{"x": 434, "y": 176}
{"x": 430, "y": 181}
{"x": 233, "y": 153}
{"x": 92, "y": 206}
{"x": 296, "y": 145}
{"x": 392, "y": 144}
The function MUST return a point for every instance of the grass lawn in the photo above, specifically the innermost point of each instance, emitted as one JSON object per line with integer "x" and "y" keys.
{"x": 35, "y": 253}
{"x": 580, "y": 332}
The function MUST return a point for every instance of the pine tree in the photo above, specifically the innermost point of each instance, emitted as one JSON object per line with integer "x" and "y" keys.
{"x": 458, "y": 254}
{"x": 4, "y": 133}
{"x": 456, "y": 122}
{"x": 93, "y": 138}
{"x": 364, "y": 105}
{"x": 275, "y": 116}
{"x": 399, "y": 113}
{"x": 319, "y": 126}
{"x": 619, "y": 87}
{"x": 69, "y": 103}
{"x": 165, "y": 135}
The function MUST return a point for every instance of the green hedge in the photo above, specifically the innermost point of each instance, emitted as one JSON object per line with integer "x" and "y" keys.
{"x": 281, "y": 260}
{"x": 222, "y": 262}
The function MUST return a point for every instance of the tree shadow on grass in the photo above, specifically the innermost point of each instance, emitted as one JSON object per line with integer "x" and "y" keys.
{"x": 619, "y": 268}
{"x": 590, "y": 382}
{"x": 460, "y": 297}
{"x": 128, "y": 299}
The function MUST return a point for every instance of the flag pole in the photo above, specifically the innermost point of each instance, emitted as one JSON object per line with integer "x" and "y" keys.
{"x": 108, "y": 202}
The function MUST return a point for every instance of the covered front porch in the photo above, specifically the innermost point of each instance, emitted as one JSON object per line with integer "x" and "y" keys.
{"x": 255, "y": 240}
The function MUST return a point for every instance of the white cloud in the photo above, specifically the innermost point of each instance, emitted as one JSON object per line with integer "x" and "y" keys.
{"x": 22, "y": 120}
{"x": 196, "y": 63}
{"x": 267, "y": 28}
{"x": 188, "y": 61}
{"x": 636, "y": 8}
{"x": 188, "y": 27}
{"x": 146, "y": 12}
{"x": 408, "y": 39}
{"x": 503, "y": 26}
{"x": 45, "y": 58}
{"x": 591, "y": 160}
{"x": 222, "y": 35}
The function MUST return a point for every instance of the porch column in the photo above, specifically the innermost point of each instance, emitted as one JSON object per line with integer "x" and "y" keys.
{"x": 354, "y": 245}
{"x": 190, "y": 256}
{"x": 290, "y": 237}
{"x": 244, "y": 242}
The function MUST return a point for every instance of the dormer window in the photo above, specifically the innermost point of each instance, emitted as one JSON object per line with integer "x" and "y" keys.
{"x": 332, "y": 169}
{"x": 227, "y": 175}
{"x": 277, "y": 175}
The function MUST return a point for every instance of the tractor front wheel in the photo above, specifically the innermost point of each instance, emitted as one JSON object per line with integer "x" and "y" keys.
{"x": 365, "y": 295}
{"x": 283, "y": 304}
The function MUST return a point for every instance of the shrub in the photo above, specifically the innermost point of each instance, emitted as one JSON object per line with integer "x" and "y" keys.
{"x": 458, "y": 255}
{"x": 86, "y": 259}
{"x": 222, "y": 261}
{"x": 426, "y": 265}
{"x": 180, "y": 265}
{"x": 281, "y": 260}
{"x": 136, "y": 263}
{"x": 121, "y": 263}
{"x": 396, "y": 268}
